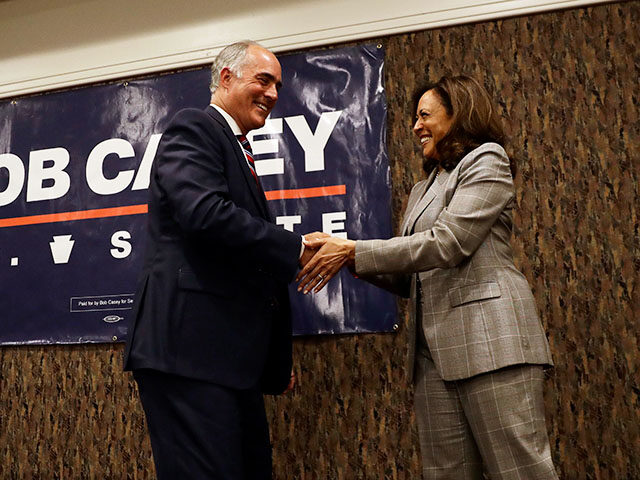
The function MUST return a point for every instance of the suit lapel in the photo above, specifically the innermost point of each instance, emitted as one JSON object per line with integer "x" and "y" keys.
{"x": 255, "y": 189}
{"x": 424, "y": 199}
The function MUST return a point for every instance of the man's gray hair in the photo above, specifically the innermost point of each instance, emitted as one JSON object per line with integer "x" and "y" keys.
{"x": 232, "y": 57}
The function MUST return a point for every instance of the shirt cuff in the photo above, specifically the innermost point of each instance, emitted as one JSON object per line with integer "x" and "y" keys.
{"x": 301, "y": 247}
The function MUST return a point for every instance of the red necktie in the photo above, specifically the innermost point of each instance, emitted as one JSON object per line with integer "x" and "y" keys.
{"x": 248, "y": 155}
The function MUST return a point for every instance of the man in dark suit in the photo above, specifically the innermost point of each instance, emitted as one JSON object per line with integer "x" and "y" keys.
{"x": 211, "y": 328}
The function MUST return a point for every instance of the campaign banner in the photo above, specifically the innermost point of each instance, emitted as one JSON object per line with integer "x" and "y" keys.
{"x": 74, "y": 175}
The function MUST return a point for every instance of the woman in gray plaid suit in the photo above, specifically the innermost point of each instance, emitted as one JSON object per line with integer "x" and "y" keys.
{"x": 480, "y": 348}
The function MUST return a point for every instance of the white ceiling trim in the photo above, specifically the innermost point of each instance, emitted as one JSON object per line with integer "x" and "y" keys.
{"x": 283, "y": 26}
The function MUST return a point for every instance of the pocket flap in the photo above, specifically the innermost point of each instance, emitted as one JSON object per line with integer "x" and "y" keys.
{"x": 473, "y": 293}
{"x": 188, "y": 280}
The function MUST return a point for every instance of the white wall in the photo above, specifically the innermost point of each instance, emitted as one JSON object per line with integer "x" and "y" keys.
{"x": 46, "y": 44}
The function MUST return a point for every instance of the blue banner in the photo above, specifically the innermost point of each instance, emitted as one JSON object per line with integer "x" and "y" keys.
{"x": 74, "y": 173}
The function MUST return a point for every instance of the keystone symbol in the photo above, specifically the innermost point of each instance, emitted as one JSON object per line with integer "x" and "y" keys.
{"x": 61, "y": 248}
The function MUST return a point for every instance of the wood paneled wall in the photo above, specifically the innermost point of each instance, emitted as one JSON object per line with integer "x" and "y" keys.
{"x": 568, "y": 84}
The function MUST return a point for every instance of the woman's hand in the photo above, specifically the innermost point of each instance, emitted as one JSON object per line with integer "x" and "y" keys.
{"x": 333, "y": 253}
{"x": 310, "y": 251}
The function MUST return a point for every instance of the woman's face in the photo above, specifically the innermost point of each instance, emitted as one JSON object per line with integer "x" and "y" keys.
{"x": 432, "y": 123}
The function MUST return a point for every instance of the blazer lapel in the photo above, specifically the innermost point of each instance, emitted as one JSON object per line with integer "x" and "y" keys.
{"x": 424, "y": 199}
{"x": 254, "y": 188}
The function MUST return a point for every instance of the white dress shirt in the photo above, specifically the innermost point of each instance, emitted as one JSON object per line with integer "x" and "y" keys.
{"x": 236, "y": 131}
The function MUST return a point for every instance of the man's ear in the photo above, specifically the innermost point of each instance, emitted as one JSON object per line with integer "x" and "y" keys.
{"x": 225, "y": 77}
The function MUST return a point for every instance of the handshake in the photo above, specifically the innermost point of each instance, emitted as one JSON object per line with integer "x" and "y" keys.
{"x": 322, "y": 258}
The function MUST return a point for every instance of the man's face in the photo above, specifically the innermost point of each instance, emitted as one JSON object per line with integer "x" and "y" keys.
{"x": 249, "y": 98}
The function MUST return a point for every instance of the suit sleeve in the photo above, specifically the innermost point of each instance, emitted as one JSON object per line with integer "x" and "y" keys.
{"x": 484, "y": 189}
{"x": 194, "y": 179}
{"x": 397, "y": 283}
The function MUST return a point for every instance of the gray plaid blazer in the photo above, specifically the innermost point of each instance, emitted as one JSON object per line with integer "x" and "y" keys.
{"x": 478, "y": 313}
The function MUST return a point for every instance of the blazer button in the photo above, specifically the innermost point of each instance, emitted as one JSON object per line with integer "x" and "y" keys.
{"x": 274, "y": 302}
{"x": 525, "y": 343}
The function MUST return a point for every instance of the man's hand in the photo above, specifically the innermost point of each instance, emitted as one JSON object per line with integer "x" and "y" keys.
{"x": 310, "y": 237}
{"x": 310, "y": 251}
{"x": 332, "y": 254}
{"x": 292, "y": 382}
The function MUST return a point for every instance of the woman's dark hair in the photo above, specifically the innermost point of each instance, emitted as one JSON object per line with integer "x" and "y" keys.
{"x": 475, "y": 120}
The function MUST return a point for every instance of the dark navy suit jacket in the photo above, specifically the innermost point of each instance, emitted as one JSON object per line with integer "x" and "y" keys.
{"x": 212, "y": 301}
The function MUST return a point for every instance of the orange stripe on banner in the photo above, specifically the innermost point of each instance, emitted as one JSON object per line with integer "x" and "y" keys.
{"x": 70, "y": 216}
{"x": 306, "y": 192}
{"x": 138, "y": 209}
